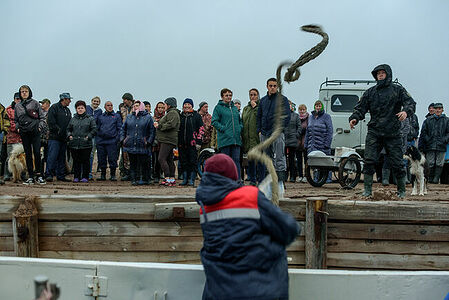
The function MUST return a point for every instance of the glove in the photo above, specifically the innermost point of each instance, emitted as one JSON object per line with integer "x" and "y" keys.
{"x": 198, "y": 147}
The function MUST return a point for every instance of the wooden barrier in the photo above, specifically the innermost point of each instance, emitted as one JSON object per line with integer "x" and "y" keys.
{"x": 360, "y": 234}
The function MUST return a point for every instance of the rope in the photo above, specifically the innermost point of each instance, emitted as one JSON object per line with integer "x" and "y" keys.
{"x": 292, "y": 74}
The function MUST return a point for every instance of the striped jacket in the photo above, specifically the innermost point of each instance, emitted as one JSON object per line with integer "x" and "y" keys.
{"x": 245, "y": 237}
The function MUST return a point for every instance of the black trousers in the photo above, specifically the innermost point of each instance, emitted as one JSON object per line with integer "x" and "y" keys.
{"x": 301, "y": 159}
{"x": 81, "y": 162}
{"x": 290, "y": 152}
{"x": 32, "y": 146}
{"x": 188, "y": 158}
{"x": 393, "y": 147}
{"x": 138, "y": 166}
{"x": 166, "y": 159}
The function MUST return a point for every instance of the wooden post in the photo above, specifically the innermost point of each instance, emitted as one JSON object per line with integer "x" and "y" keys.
{"x": 25, "y": 229}
{"x": 316, "y": 233}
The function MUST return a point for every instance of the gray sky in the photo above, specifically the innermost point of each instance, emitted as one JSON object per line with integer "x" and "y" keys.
{"x": 157, "y": 49}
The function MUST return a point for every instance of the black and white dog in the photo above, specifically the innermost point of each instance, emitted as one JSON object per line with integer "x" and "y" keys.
{"x": 418, "y": 170}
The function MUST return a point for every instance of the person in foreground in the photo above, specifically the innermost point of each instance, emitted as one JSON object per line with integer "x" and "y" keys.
{"x": 245, "y": 237}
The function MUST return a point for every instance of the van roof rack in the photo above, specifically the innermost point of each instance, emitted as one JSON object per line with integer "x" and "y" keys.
{"x": 345, "y": 81}
{"x": 354, "y": 82}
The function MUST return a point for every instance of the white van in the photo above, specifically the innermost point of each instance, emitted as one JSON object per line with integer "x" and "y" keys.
{"x": 339, "y": 98}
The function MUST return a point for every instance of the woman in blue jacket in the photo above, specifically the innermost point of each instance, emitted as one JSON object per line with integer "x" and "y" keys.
{"x": 137, "y": 136}
{"x": 319, "y": 130}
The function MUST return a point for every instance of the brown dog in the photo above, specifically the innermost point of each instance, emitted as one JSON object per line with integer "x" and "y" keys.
{"x": 17, "y": 163}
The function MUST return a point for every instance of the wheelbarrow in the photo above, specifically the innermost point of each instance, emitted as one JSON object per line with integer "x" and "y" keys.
{"x": 346, "y": 166}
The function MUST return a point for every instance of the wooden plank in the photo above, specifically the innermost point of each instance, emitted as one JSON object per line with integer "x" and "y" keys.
{"x": 25, "y": 229}
{"x": 7, "y": 253}
{"x": 6, "y": 243}
{"x": 389, "y": 231}
{"x": 116, "y": 228}
{"x": 388, "y": 261}
{"x": 390, "y": 247}
{"x": 163, "y": 257}
{"x": 131, "y": 244}
{"x": 294, "y": 258}
{"x": 125, "y": 244}
{"x": 6, "y": 228}
{"x": 76, "y": 211}
{"x": 388, "y": 211}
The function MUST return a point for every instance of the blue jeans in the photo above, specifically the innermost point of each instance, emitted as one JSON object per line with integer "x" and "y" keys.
{"x": 234, "y": 153}
{"x": 56, "y": 159}
{"x": 255, "y": 174}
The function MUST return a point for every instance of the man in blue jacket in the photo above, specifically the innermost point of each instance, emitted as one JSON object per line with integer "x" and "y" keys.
{"x": 265, "y": 127}
{"x": 109, "y": 125}
{"x": 245, "y": 237}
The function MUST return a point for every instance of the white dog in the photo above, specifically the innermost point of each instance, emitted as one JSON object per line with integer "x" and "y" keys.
{"x": 418, "y": 169}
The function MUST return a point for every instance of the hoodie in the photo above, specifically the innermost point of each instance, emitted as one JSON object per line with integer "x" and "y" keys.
{"x": 383, "y": 101}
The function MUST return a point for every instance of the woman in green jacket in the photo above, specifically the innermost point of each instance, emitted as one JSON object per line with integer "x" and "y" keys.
{"x": 226, "y": 120}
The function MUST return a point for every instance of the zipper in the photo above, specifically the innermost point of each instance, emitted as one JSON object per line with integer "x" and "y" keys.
{"x": 233, "y": 128}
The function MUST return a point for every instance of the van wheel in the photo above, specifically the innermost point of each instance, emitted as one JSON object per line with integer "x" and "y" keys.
{"x": 316, "y": 176}
{"x": 349, "y": 172}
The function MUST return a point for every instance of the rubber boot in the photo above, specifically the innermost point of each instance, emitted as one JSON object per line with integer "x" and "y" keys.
{"x": 431, "y": 174}
{"x": 385, "y": 177}
{"x": 113, "y": 177}
{"x": 185, "y": 179}
{"x": 409, "y": 176}
{"x": 192, "y": 179}
{"x": 103, "y": 175}
{"x": 368, "y": 185}
{"x": 436, "y": 177}
{"x": 401, "y": 186}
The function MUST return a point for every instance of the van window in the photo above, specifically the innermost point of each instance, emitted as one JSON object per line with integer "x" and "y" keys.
{"x": 343, "y": 103}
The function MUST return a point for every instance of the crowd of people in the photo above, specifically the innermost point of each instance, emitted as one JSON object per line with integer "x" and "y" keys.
{"x": 144, "y": 143}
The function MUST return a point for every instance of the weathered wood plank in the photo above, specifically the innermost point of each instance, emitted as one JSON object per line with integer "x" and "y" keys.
{"x": 117, "y": 228}
{"x": 389, "y": 231}
{"x": 6, "y": 243}
{"x": 6, "y": 228}
{"x": 132, "y": 244}
{"x": 7, "y": 253}
{"x": 388, "y": 261}
{"x": 388, "y": 211}
{"x": 163, "y": 257}
{"x": 390, "y": 247}
{"x": 294, "y": 258}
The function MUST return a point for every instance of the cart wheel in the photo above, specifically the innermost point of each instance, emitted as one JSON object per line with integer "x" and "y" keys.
{"x": 349, "y": 172}
{"x": 202, "y": 159}
{"x": 316, "y": 176}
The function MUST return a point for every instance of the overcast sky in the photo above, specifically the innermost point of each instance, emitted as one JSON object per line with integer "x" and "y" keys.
{"x": 157, "y": 49}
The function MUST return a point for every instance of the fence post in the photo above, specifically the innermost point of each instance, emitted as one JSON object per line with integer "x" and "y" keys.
{"x": 25, "y": 229}
{"x": 316, "y": 233}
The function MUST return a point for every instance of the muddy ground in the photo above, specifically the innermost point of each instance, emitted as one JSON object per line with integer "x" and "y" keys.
{"x": 436, "y": 192}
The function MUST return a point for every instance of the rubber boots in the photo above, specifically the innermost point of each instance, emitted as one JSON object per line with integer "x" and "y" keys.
{"x": 385, "y": 176}
{"x": 113, "y": 177}
{"x": 368, "y": 185}
{"x": 185, "y": 179}
{"x": 436, "y": 177}
{"x": 192, "y": 179}
{"x": 401, "y": 186}
{"x": 103, "y": 175}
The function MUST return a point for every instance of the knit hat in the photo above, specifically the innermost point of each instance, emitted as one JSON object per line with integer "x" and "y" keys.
{"x": 202, "y": 104}
{"x": 188, "y": 100}
{"x": 237, "y": 101}
{"x": 223, "y": 165}
{"x": 431, "y": 105}
{"x": 17, "y": 95}
{"x": 171, "y": 101}
{"x": 127, "y": 96}
{"x": 438, "y": 105}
